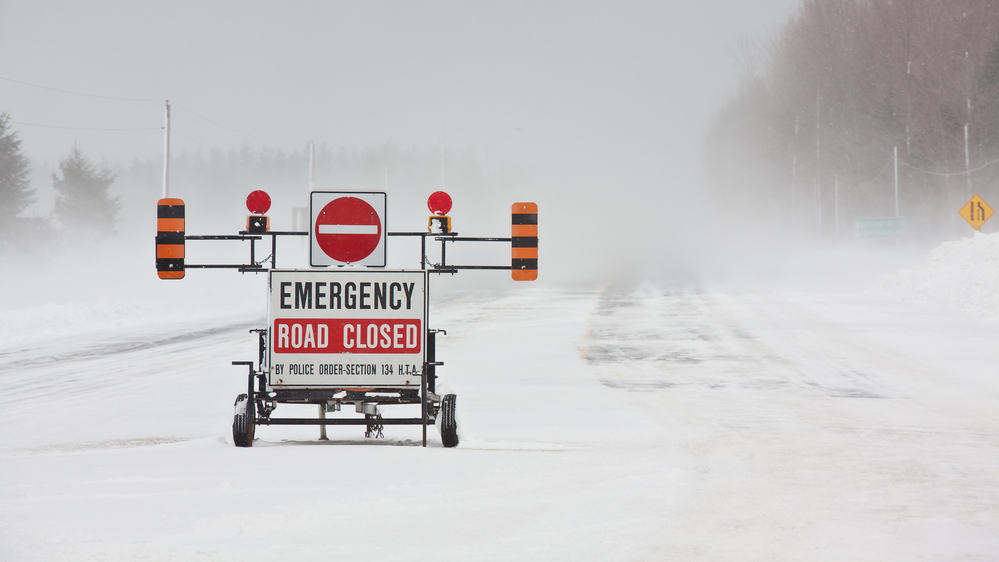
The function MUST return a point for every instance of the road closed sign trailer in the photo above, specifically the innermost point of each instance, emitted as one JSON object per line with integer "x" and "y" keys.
{"x": 345, "y": 332}
{"x": 347, "y": 328}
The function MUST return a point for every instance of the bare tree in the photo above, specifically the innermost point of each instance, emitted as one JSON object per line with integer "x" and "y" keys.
{"x": 849, "y": 80}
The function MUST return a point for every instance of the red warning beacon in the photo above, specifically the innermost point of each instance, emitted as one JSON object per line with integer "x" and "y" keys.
{"x": 439, "y": 203}
{"x": 258, "y": 202}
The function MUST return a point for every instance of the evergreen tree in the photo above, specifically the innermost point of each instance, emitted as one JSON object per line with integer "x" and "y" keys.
{"x": 15, "y": 191}
{"x": 82, "y": 201}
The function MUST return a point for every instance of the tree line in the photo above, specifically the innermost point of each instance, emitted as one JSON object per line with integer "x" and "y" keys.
{"x": 94, "y": 202}
{"x": 216, "y": 181}
{"x": 810, "y": 139}
{"x": 84, "y": 208}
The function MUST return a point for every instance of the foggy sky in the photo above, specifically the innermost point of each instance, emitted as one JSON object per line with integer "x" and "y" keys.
{"x": 599, "y": 106}
{"x": 511, "y": 80}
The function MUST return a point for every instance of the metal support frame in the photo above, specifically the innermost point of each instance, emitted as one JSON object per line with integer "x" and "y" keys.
{"x": 249, "y": 378}
{"x": 245, "y": 235}
{"x": 256, "y": 267}
{"x": 262, "y": 401}
{"x": 455, "y": 268}
{"x": 322, "y": 427}
{"x": 343, "y": 421}
{"x": 261, "y": 414}
{"x": 423, "y": 404}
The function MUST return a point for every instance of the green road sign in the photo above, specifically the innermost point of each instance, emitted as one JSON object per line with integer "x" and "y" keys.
{"x": 880, "y": 227}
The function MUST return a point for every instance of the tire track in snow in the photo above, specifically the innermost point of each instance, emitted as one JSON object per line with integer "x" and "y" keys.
{"x": 652, "y": 339}
{"x": 35, "y": 356}
{"x": 821, "y": 355}
{"x": 98, "y": 367}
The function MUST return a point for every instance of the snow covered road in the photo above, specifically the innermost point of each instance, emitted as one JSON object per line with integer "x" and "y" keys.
{"x": 648, "y": 423}
{"x": 814, "y": 427}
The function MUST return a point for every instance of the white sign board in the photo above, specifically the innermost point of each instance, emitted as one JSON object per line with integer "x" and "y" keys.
{"x": 347, "y": 228}
{"x": 346, "y": 328}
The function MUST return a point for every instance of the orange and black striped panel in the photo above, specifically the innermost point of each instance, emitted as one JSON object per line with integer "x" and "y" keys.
{"x": 524, "y": 242}
{"x": 170, "y": 238}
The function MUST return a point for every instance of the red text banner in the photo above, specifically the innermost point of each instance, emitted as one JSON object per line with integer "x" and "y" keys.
{"x": 339, "y": 335}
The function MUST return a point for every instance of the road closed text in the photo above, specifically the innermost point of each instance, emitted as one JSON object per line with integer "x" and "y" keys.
{"x": 307, "y": 335}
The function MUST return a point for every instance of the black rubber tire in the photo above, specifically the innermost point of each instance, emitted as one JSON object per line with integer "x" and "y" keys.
{"x": 449, "y": 426}
{"x": 244, "y": 414}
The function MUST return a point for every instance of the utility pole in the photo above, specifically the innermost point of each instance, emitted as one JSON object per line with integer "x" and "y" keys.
{"x": 301, "y": 218}
{"x": 312, "y": 165}
{"x": 967, "y": 158}
{"x": 794, "y": 169}
{"x": 896, "y": 180}
{"x": 967, "y": 120}
{"x": 166, "y": 150}
{"x": 817, "y": 192}
{"x": 443, "y": 170}
{"x": 908, "y": 102}
{"x": 908, "y": 79}
{"x": 836, "y": 205}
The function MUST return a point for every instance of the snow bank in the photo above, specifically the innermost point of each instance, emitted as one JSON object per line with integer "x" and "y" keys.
{"x": 958, "y": 275}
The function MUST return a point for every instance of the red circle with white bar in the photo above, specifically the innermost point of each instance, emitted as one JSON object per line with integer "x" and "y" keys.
{"x": 348, "y": 229}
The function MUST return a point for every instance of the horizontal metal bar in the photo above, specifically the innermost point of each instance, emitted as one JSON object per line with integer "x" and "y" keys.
{"x": 221, "y": 237}
{"x": 217, "y": 266}
{"x": 457, "y": 267}
{"x": 381, "y": 400}
{"x": 277, "y": 233}
{"x": 241, "y": 268}
{"x": 413, "y": 233}
{"x": 284, "y": 395}
{"x": 341, "y": 421}
{"x": 471, "y": 239}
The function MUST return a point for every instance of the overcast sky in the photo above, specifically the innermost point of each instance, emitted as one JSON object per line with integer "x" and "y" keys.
{"x": 505, "y": 78}
{"x": 599, "y": 108}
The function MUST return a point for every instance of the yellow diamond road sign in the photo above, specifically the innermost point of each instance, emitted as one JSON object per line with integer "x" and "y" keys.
{"x": 976, "y": 212}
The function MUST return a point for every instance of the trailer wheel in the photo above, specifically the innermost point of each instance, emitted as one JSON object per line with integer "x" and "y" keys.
{"x": 243, "y": 417}
{"x": 449, "y": 426}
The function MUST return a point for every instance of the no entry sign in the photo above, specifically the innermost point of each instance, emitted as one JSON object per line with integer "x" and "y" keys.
{"x": 348, "y": 228}
{"x": 347, "y": 328}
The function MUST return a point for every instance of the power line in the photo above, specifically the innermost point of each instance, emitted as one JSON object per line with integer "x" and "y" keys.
{"x": 212, "y": 122}
{"x": 102, "y": 129}
{"x": 950, "y": 174}
{"x": 106, "y": 97}
{"x": 75, "y": 93}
